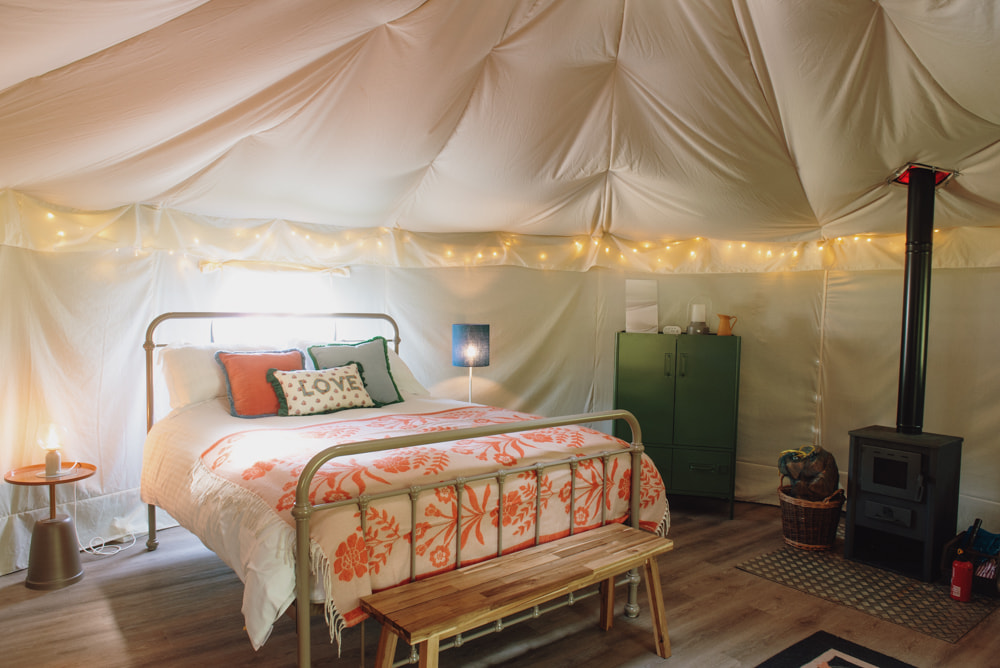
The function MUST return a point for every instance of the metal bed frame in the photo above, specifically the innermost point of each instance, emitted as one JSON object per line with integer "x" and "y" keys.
{"x": 303, "y": 508}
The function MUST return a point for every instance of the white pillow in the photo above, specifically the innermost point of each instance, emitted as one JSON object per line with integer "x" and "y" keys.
{"x": 191, "y": 373}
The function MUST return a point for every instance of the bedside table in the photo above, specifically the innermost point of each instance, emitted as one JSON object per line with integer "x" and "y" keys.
{"x": 54, "y": 560}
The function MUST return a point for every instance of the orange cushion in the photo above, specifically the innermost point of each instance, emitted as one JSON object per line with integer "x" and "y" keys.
{"x": 250, "y": 392}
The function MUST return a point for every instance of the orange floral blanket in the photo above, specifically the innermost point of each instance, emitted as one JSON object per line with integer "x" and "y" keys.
{"x": 352, "y": 563}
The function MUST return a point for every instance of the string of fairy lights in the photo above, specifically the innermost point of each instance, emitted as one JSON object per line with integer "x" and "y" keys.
{"x": 314, "y": 247}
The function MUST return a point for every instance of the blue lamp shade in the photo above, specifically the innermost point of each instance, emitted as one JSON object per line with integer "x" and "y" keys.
{"x": 470, "y": 345}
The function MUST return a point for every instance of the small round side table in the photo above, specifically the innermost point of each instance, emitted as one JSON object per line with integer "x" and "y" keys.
{"x": 54, "y": 559}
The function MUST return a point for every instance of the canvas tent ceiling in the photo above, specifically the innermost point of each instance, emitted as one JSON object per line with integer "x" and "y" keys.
{"x": 763, "y": 121}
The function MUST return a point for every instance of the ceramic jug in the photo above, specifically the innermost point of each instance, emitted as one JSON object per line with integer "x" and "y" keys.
{"x": 726, "y": 323}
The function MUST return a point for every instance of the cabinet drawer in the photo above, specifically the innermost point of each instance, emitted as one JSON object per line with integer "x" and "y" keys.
{"x": 701, "y": 471}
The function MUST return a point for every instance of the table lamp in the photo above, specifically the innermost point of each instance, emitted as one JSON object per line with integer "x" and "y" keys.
{"x": 470, "y": 346}
{"x": 697, "y": 308}
{"x": 50, "y": 442}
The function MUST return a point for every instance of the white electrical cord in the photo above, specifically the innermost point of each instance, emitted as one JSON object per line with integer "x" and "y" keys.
{"x": 99, "y": 546}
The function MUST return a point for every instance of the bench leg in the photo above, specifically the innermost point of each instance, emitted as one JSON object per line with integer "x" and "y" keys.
{"x": 607, "y": 603}
{"x": 386, "y": 648}
{"x": 655, "y": 592}
{"x": 429, "y": 652}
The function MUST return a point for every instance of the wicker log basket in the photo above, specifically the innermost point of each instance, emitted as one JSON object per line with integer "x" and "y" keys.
{"x": 810, "y": 525}
{"x": 811, "y": 503}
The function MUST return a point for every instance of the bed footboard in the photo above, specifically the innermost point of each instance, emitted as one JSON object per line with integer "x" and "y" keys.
{"x": 303, "y": 509}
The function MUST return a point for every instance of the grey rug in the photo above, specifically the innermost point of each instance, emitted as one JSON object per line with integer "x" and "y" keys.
{"x": 922, "y": 606}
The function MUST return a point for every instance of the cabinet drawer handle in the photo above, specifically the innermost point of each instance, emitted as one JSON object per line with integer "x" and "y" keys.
{"x": 702, "y": 467}
{"x": 668, "y": 364}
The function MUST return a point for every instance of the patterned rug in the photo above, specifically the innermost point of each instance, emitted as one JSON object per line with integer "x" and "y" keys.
{"x": 825, "y": 650}
{"x": 922, "y": 606}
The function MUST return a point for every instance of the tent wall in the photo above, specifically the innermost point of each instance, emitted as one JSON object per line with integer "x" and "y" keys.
{"x": 820, "y": 357}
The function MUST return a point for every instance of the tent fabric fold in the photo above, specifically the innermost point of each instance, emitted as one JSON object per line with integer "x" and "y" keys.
{"x": 740, "y": 121}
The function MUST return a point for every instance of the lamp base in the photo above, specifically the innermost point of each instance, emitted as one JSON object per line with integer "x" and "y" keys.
{"x": 54, "y": 559}
{"x": 58, "y": 474}
{"x": 698, "y": 328}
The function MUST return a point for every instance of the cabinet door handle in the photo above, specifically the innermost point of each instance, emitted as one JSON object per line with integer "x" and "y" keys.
{"x": 668, "y": 364}
{"x": 701, "y": 467}
{"x": 682, "y": 371}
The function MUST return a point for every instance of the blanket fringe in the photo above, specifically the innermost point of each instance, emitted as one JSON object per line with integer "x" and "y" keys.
{"x": 664, "y": 526}
{"x": 334, "y": 619}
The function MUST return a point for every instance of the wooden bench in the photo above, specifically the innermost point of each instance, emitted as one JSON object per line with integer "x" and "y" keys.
{"x": 425, "y": 612}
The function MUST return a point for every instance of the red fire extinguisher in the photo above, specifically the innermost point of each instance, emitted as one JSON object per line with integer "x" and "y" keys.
{"x": 961, "y": 568}
{"x": 961, "y": 579}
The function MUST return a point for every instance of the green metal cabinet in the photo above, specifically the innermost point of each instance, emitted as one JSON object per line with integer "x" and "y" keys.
{"x": 684, "y": 390}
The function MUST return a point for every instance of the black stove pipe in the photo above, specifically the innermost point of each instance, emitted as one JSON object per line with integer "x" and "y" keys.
{"x": 916, "y": 301}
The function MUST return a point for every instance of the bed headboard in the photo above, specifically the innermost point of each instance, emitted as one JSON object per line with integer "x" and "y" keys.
{"x": 151, "y": 344}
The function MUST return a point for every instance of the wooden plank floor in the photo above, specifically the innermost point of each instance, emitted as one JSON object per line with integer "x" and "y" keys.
{"x": 180, "y": 606}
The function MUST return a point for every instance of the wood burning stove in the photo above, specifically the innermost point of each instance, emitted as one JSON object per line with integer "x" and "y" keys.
{"x": 902, "y": 493}
{"x": 902, "y": 499}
